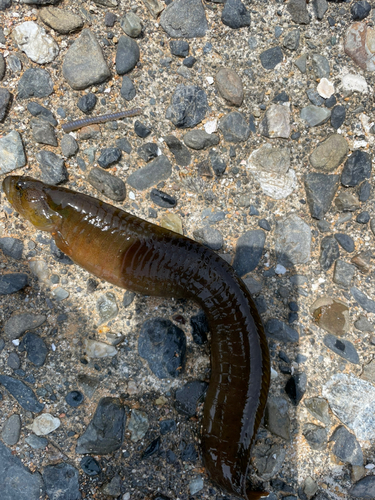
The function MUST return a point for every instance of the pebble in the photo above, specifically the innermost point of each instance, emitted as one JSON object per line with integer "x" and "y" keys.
{"x": 113, "y": 488}
{"x": 229, "y": 85}
{"x": 343, "y": 273}
{"x": 319, "y": 409}
{"x": 235, "y": 14}
{"x": 36, "y": 442}
{"x": 187, "y": 398}
{"x": 358, "y": 45}
{"x": 12, "y": 154}
{"x": 329, "y": 252}
{"x": 188, "y": 106}
{"x": 61, "y": 482}
{"x": 128, "y": 298}
{"x": 270, "y": 58}
{"x": 5, "y": 99}
{"x": 357, "y": 168}
{"x": 364, "y": 488}
{"x": 43, "y": 132}
{"x": 310, "y": 487}
{"x": 111, "y": 186}
{"x": 363, "y": 218}
{"x": 276, "y": 122}
{"x": 346, "y": 202}
{"x": 163, "y": 345}
{"x": 109, "y": 156}
{"x": 124, "y": 145}
{"x": 13, "y": 282}
{"x": 138, "y": 425}
{"x": 172, "y": 222}
{"x": 167, "y": 426}
{"x": 298, "y": 11}
{"x": 12, "y": 247}
{"x": 279, "y": 330}
{"x": 360, "y": 10}
{"x": 196, "y": 485}
{"x": 74, "y": 398}
{"x": 35, "y": 347}
{"x": 180, "y": 152}
{"x": 141, "y": 130}
{"x": 332, "y": 315}
{"x": 2, "y": 67}
{"x": 179, "y": 48}
{"x": 52, "y": 167}
{"x": 249, "y": 249}
{"x": 11, "y": 430}
{"x": 320, "y": 66}
{"x": 184, "y": 19}
{"x": 105, "y": 432}
{"x": 61, "y": 20}
{"x": 338, "y": 116}
{"x": 301, "y": 63}
{"x": 234, "y": 127}
{"x": 314, "y": 115}
{"x": 131, "y": 24}
{"x": 314, "y": 97}
{"x": 34, "y": 41}
{"x": 351, "y": 400}
{"x": 69, "y": 146}
{"x": 199, "y": 328}
{"x": 296, "y": 387}
{"x": 11, "y": 467}
{"x": 35, "y": 82}
{"x": 293, "y": 241}
{"x": 291, "y": 40}
{"x": 45, "y": 424}
{"x": 155, "y": 171}
{"x": 346, "y": 447}
{"x": 330, "y": 153}
{"x": 97, "y": 350}
{"x": 315, "y": 435}
{"x": 362, "y": 299}
{"x": 162, "y": 199}
{"x": 199, "y": 139}
{"x": 13, "y": 361}
{"x": 148, "y": 151}
{"x": 128, "y": 91}
{"x": 210, "y": 237}
{"x": 345, "y": 241}
{"x": 90, "y": 466}
{"x": 84, "y": 64}
{"x": 325, "y": 89}
{"x": 276, "y": 417}
{"x": 364, "y": 191}
{"x": 217, "y": 163}
{"x": 354, "y": 83}
{"x": 87, "y": 102}
{"x": 342, "y": 347}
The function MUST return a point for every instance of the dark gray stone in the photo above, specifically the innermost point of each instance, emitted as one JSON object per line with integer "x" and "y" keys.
{"x": 279, "y": 330}
{"x": 188, "y": 107}
{"x": 234, "y": 127}
{"x": 276, "y": 417}
{"x": 179, "y": 48}
{"x": 87, "y": 102}
{"x": 316, "y": 436}
{"x": 5, "y": 99}
{"x": 346, "y": 201}
{"x": 13, "y": 362}
{"x": 342, "y": 347}
{"x": 364, "y": 191}
{"x": 148, "y": 151}
{"x": 141, "y": 129}
{"x": 360, "y": 10}
{"x": 74, "y": 398}
{"x": 296, "y": 387}
{"x": 217, "y": 163}
{"x": 188, "y": 397}
{"x": 124, "y": 145}
{"x": 61, "y": 482}
{"x": 35, "y": 82}
{"x": 127, "y": 55}
{"x": 52, "y": 167}
{"x": 90, "y": 466}
{"x": 345, "y": 241}
{"x": 364, "y": 488}
{"x": 270, "y": 58}
{"x": 314, "y": 97}
{"x": 111, "y": 186}
{"x": 17, "y": 481}
{"x": 338, "y": 116}
{"x": 357, "y": 168}
{"x": 43, "y": 131}
{"x": 184, "y": 19}
{"x": 346, "y": 447}
{"x": 105, "y": 432}
{"x": 320, "y": 191}
{"x": 235, "y": 15}
{"x": 127, "y": 91}
{"x": 320, "y": 8}
{"x": 36, "y": 442}
{"x": 22, "y": 393}
{"x": 210, "y": 237}
{"x": 35, "y": 347}
{"x": 199, "y": 328}
{"x": 363, "y": 218}
{"x": 298, "y": 11}
{"x": 318, "y": 407}
{"x": 20, "y": 323}
{"x": 13, "y": 282}
{"x": 2, "y": 65}
{"x": 199, "y": 139}
{"x": 69, "y": 145}
{"x": 314, "y": 115}
{"x": 12, "y": 247}
{"x": 180, "y": 152}
{"x": 362, "y": 299}
{"x": 343, "y": 273}
{"x": 162, "y": 199}
{"x": 155, "y": 171}
{"x": 249, "y": 249}
{"x": 109, "y": 156}
{"x": 329, "y": 252}
{"x": 37, "y": 110}
{"x": 163, "y": 345}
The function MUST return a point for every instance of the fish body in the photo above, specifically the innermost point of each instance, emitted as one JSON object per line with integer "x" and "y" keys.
{"x": 134, "y": 254}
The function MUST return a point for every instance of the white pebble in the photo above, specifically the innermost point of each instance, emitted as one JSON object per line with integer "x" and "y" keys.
{"x": 325, "y": 88}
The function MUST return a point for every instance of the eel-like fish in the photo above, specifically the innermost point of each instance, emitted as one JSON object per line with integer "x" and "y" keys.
{"x": 134, "y": 254}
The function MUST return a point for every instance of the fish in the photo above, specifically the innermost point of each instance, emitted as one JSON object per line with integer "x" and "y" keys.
{"x": 137, "y": 255}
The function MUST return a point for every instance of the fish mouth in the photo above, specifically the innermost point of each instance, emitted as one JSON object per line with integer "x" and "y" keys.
{"x": 9, "y": 184}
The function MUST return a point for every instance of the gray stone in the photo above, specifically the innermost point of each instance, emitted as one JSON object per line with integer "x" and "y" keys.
{"x": 13, "y": 361}
{"x": 249, "y": 249}
{"x": 269, "y": 459}
{"x": 106, "y": 306}
{"x": 235, "y": 15}
{"x": 314, "y": 115}
{"x": 52, "y": 167}
{"x": 180, "y": 152}
{"x": 270, "y": 58}
{"x": 61, "y": 20}
{"x": 301, "y": 63}
{"x": 84, "y": 64}
{"x": 346, "y": 447}
{"x": 36, "y": 442}
{"x": 346, "y": 202}
{"x": 330, "y": 153}
{"x": 298, "y": 11}
{"x": 329, "y": 252}
{"x": 372, "y": 226}
{"x": 61, "y": 482}
{"x": 22, "y": 393}
{"x": 338, "y": 116}
{"x": 277, "y": 418}
{"x": 363, "y": 324}
{"x": 279, "y": 330}
{"x": 138, "y": 425}
{"x": 188, "y": 397}
{"x": 276, "y": 122}
{"x": 343, "y": 273}
{"x": 188, "y": 106}
{"x": 13, "y": 282}
{"x": 5, "y": 99}
{"x": 362, "y": 299}
{"x": 364, "y": 488}
{"x": 293, "y": 241}
{"x": 234, "y": 127}
{"x": 69, "y": 145}
{"x": 291, "y": 40}
{"x": 17, "y": 481}
{"x": 253, "y": 285}
{"x": 310, "y": 487}
{"x": 352, "y": 400}
{"x": 35, "y": 347}
{"x": 315, "y": 435}
{"x": 318, "y": 407}
{"x": 320, "y": 191}
{"x": 2, "y": 66}
{"x": 11, "y": 430}
{"x": 218, "y": 164}
{"x": 113, "y": 488}
{"x": 105, "y": 432}
{"x": 12, "y": 247}
{"x": 320, "y": 66}
{"x": 210, "y": 237}
{"x": 345, "y": 241}
{"x": 200, "y": 139}
{"x": 20, "y": 323}
{"x": 229, "y": 85}
{"x": 12, "y": 154}
{"x": 314, "y": 97}
{"x": 184, "y": 19}
{"x": 155, "y": 171}
{"x": 43, "y": 132}
{"x": 131, "y": 24}
{"x": 342, "y": 347}
{"x": 357, "y": 168}
{"x": 320, "y": 8}
{"x": 106, "y": 183}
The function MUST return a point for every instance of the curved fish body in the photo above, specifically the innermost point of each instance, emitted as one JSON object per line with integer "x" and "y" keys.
{"x": 134, "y": 254}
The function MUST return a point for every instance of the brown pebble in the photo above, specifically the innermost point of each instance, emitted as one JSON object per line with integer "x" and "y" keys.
{"x": 229, "y": 85}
